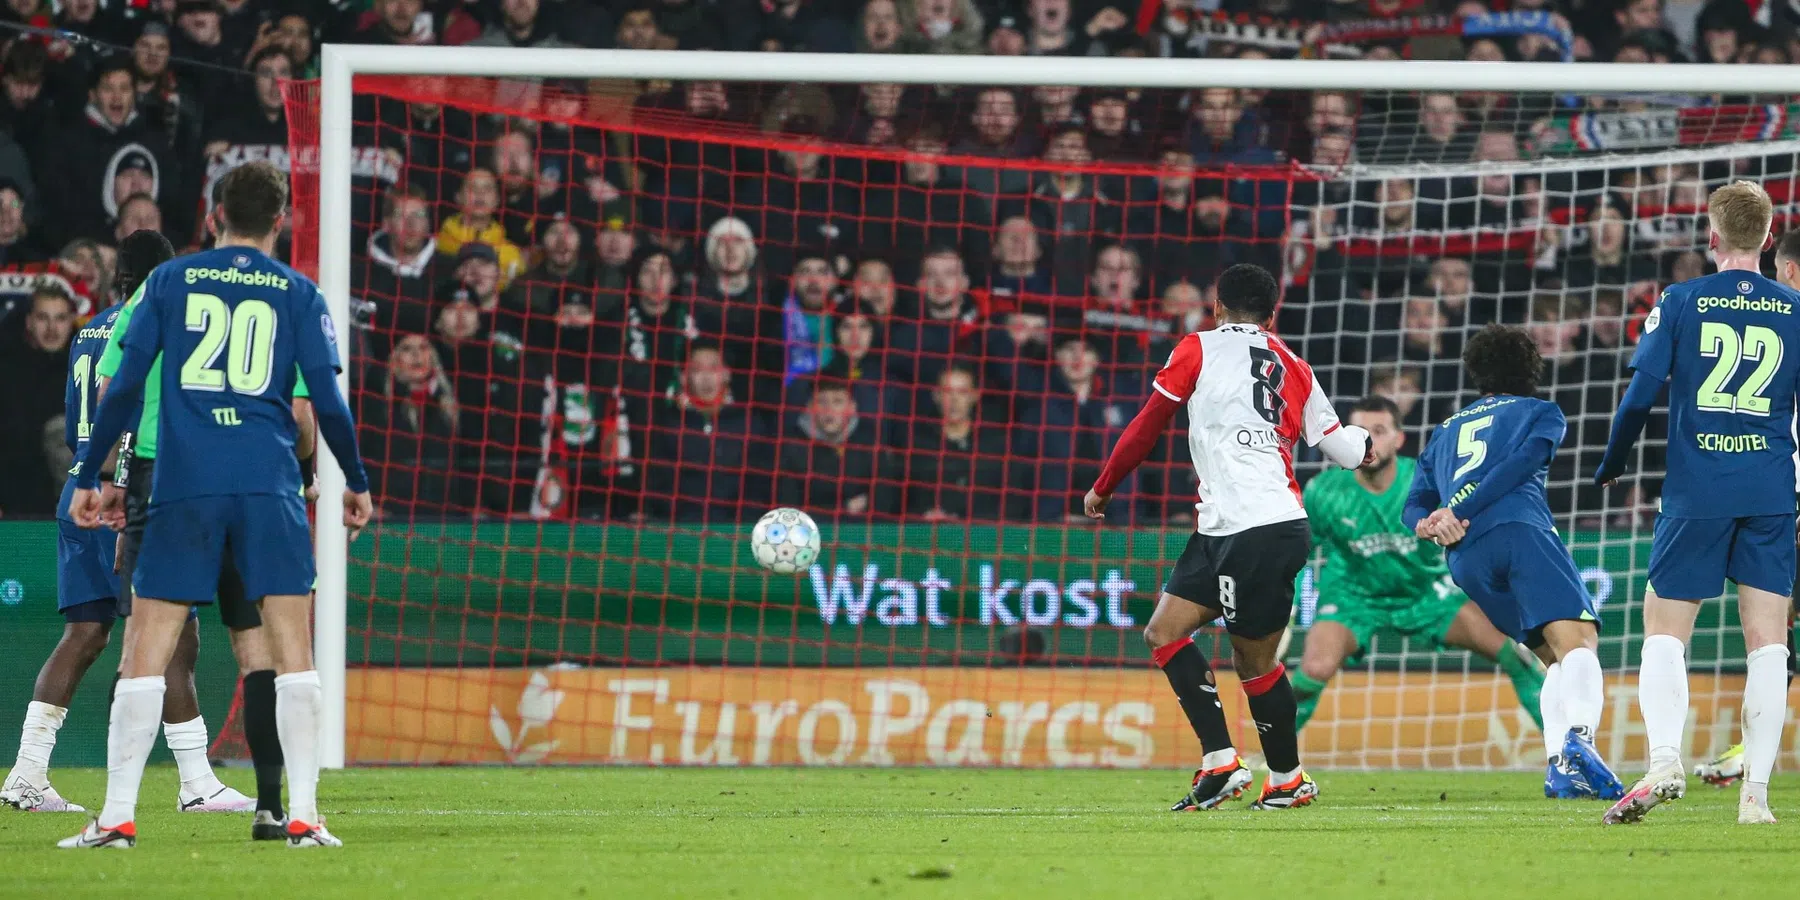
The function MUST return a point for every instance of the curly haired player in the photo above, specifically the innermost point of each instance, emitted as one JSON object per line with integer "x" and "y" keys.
{"x": 1479, "y": 491}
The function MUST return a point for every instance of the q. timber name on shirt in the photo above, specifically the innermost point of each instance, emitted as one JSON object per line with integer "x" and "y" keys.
{"x": 1743, "y": 304}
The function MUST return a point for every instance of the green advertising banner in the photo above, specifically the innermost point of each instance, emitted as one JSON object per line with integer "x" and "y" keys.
{"x": 535, "y": 594}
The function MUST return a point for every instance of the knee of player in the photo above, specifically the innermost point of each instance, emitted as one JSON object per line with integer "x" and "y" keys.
{"x": 1318, "y": 667}
{"x": 87, "y": 639}
{"x": 1157, "y": 634}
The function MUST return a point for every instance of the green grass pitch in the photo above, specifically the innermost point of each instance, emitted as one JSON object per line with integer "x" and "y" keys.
{"x": 786, "y": 833}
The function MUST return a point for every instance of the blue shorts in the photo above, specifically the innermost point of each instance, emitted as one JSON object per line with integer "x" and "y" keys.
{"x": 1523, "y": 578}
{"x": 186, "y": 543}
{"x": 1690, "y": 559}
{"x": 84, "y": 566}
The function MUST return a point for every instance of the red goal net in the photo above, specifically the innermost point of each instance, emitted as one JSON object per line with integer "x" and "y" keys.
{"x": 601, "y": 328}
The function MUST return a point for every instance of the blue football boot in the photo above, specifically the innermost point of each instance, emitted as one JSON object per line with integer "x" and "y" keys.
{"x": 1579, "y": 754}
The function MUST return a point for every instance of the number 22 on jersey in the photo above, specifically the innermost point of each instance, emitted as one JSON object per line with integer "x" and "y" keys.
{"x": 1757, "y": 343}
{"x": 245, "y": 337}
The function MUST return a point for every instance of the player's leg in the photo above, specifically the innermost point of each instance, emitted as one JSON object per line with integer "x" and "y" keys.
{"x": 85, "y": 633}
{"x": 87, "y": 595}
{"x": 1469, "y": 629}
{"x": 1190, "y": 600}
{"x": 261, "y": 731}
{"x": 184, "y": 729}
{"x": 273, "y": 554}
{"x": 1256, "y": 571}
{"x": 1762, "y": 564}
{"x": 1334, "y": 637}
{"x": 249, "y": 644}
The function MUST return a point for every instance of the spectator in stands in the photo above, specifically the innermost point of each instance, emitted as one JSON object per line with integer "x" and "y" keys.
{"x": 708, "y": 460}
{"x": 561, "y": 280}
{"x": 806, "y": 317}
{"x": 944, "y": 26}
{"x": 293, "y": 33}
{"x": 829, "y": 463}
{"x": 658, "y": 329}
{"x": 1602, "y": 256}
{"x": 108, "y": 156}
{"x": 520, "y": 25}
{"x": 17, "y": 245}
{"x": 614, "y": 246}
{"x": 954, "y": 467}
{"x": 407, "y": 424}
{"x": 805, "y": 27}
{"x": 872, "y": 290}
{"x": 995, "y": 120}
{"x": 477, "y": 275}
{"x": 137, "y": 213}
{"x": 164, "y": 99}
{"x": 394, "y": 288}
{"x": 730, "y": 305}
{"x": 485, "y": 365}
{"x": 1224, "y": 132}
{"x": 394, "y": 22}
{"x": 1114, "y": 135}
{"x": 1442, "y": 135}
{"x": 1018, "y": 273}
{"x": 1405, "y": 386}
{"x": 199, "y": 36}
{"x": 928, "y": 208}
{"x": 1053, "y": 32}
{"x": 1114, "y": 321}
{"x": 1328, "y": 112}
{"x": 947, "y": 317}
{"x": 1070, "y": 207}
{"x": 879, "y": 28}
{"x": 477, "y": 220}
{"x": 27, "y": 111}
{"x": 857, "y": 361}
{"x": 34, "y": 361}
{"x": 799, "y": 201}
{"x": 1068, "y": 431}
{"x": 255, "y": 131}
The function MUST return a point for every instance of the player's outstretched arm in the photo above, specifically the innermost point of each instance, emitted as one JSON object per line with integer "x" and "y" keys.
{"x": 1133, "y": 448}
{"x": 1421, "y": 499}
{"x": 1628, "y": 422}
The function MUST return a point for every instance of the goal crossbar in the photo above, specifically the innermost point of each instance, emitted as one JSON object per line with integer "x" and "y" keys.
{"x": 340, "y": 64}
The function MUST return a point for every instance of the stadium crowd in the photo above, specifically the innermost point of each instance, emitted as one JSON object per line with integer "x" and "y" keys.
{"x": 691, "y": 301}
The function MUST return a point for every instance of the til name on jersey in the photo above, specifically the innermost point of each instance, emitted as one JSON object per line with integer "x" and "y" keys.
{"x": 1469, "y": 443}
{"x": 232, "y": 324}
{"x": 1728, "y": 345}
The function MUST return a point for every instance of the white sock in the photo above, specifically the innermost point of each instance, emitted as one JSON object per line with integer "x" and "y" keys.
{"x": 1583, "y": 690}
{"x": 187, "y": 740}
{"x": 1552, "y": 708}
{"x": 36, "y": 741}
{"x": 297, "y": 700}
{"x": 130, "y": 734}
{"x": 1284, "y": 777}
{"x": 1219, "y": 758}
{"x": 1765, "y": 711}
{"x": 1663, "y": 697}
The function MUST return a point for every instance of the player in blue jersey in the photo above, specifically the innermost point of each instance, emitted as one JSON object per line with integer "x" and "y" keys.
{"x": 1479, "y": 490}
{"x": 234, "y": 324}
{"x": 1725, "y": 346}
{"x": 90, "y": 598}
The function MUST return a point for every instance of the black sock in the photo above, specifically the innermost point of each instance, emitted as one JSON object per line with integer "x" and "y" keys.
{"x": 1192, "y": 678}
{"x": 1272, "y": 707}
{"x": 264, "y": 740}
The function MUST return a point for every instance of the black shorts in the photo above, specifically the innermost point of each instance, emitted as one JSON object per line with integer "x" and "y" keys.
{"x": 1247, "y": 576}
{"x": 236, "y": 610}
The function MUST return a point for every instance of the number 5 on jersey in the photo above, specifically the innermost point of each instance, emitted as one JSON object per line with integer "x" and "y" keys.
{"x": 1470, "y": 448}
{"x": 245, "y": 337}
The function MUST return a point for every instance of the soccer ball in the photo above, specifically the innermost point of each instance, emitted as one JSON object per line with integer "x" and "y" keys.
{"x": 785, "y": 540}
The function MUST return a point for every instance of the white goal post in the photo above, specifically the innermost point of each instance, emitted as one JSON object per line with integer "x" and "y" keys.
{"x": 342, "y": 63}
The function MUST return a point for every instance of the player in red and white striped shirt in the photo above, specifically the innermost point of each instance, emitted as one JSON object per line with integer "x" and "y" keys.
{"x": 1249, "y": 399}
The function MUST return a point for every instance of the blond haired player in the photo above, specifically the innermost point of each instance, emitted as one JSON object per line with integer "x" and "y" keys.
{"x": 1727, "y": 346}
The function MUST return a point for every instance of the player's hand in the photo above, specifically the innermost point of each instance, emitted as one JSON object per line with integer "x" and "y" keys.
{"x": 1094, "y": 505}
{"x": 84, "y": 507}
{"x": 1368, "y": 454}
{"x": 357, "y": 509}
{"x": 1446, "y": 528}
{"x": 1608, "y": 473}
{"x": 311, "y": 493}
{"x": 112, "y": 506}
{"x": 118, "y": 554}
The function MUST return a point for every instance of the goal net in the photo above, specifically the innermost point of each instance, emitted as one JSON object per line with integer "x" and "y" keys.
{"x": 600, "y": 327}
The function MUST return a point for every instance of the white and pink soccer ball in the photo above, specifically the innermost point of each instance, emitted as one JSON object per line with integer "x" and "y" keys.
{"x": 785, "y": 541}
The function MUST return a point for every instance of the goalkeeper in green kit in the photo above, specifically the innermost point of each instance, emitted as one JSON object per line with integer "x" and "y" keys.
{"x": 1378, "y": 576}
